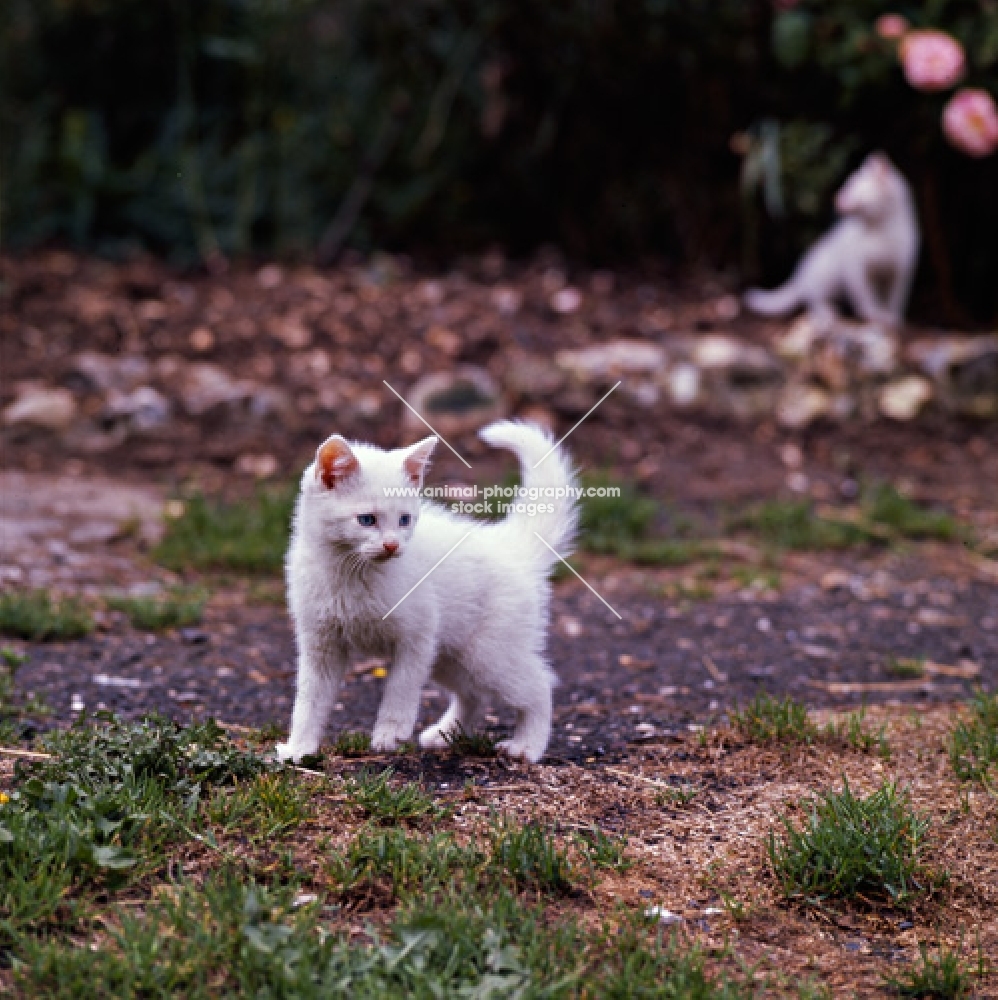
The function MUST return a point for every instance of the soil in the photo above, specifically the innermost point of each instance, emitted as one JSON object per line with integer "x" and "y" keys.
{"x": 689, "y": 644}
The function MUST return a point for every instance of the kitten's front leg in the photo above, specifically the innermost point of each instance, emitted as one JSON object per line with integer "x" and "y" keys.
{"x": 400, "y": 701}
{"x": 320, "y": 671}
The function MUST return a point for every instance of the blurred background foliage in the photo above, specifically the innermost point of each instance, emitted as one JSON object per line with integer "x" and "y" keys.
{"x": 707, "y": 132}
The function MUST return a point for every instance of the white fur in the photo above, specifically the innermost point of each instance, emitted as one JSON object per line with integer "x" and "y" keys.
{"x": 877, "y": 236}
{"x": 477, "y": 624}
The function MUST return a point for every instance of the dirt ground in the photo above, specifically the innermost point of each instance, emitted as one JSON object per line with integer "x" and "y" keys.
{"x": 691, "y": 642}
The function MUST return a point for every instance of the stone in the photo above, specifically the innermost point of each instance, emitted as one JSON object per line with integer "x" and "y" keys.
{"x": 52, "y": 409}
{"x": 259, "y": 466}
{"x": 205, "y": 387}
{"x": 799, "y": 341}
{"x": 964, "y": 371}
{"x": 903, "y": 399}
{"x": 566, "y": 301}
{"x": 868, "y": 347}
{"x": 682, "y": 383}
{"x": 91, "y": 371}
{"x": 143, "y": 409}
{"x": 454, "y": 403}
{"x": 202, "y": 339}
{"x": 606, "y": 363}
{"x": 737, "y": 379}
{"x": 270, "y": 276}
{"x": 533, "y": 377}
{"x": 800, "y": 404}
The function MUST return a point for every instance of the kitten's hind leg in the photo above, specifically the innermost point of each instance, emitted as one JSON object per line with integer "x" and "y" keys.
{"x": 464, "y": 713}
{"x": 529, "y": 692}
{"x": 319, "y": 674}
{"x": 863, "y": 297}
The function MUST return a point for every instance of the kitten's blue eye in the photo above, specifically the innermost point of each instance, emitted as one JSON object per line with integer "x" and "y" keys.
{"x": 368, "y": 520}
{"x": 404, "y": 521}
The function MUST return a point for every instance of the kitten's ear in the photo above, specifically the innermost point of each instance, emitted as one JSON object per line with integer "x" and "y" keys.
{"x": 881, "y": 164}
{"x": 334, "y": 461}
{"x": 417, "y": 459}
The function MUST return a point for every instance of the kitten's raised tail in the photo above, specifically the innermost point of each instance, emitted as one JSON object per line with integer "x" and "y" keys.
{"x": 546, "y": 467}
{"x": 778, "y": 302}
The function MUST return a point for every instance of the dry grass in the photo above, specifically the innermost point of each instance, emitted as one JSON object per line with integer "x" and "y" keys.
{"x": 703, "y": 859}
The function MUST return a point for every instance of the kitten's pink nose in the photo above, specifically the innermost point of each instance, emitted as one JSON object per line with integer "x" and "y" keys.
{"x": 391, "y": 547}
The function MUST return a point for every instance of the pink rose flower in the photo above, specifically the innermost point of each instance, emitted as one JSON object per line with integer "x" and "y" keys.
{"x": 891, "y": 27}
{"x": 932, "y": 60}
{"x": 970, "y": 122}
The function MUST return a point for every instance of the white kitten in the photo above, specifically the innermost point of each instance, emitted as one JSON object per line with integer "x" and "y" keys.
{"x": 462, "y": 601}
{"x": 876, "y": 238}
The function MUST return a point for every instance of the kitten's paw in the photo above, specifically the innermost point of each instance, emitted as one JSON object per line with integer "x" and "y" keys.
{"x": 432, "y": 739}
{"x": 517, "y": 748}
{"x": 289, "y": 752}
{"x": 385, "y": 742}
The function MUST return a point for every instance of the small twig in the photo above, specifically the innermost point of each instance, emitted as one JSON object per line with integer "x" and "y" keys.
{"x": 236, "y": 728}
{"x": 26, "y": 754}
{"x": 965, "y": 669}
{"x": 719, "y": 676}
{"x": 638, "y": 777}
{"x": 861, "y": 687}
{"x": 305, "y": 770}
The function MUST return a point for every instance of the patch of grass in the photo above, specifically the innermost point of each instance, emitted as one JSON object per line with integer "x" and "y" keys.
{"x": 905, "y": 668}
{"x": 248, "y": 536}
{"x": 465, "y": 744}
{"x": 813, "y": 990}
{"x": 267, "y": 806}
{"x": 667, "y": 551}
{"x": 380, "y": 800}
{"x": 102, "y": 811}
{"x": 757, "y": 577}
{"x": 851, "y": 847}
{"x": 352, "y": 744}
{"x": 10, "y": 713}
{"x": 785, "y": 720}
{"x": 529, "y": 856}
{"x": 413, "y": 864}
{"x": 12, "y": 659}
{"x": 943, "y": 975}
{"x": 176, "y": 608}
{"x": 852, "y": 731}
{"x": 602, "y": 850}
{"x": 886, "y": 507}
{"x": 774, "y": 720}
{"x": 614, "y": 524}
{"x": 622, "y": 526}
{"x": 973, "y": 744}
{"x": 232, "y": 938}
{"x": 794, "y": 524}
{"x": 35, "y": 615}
{"x": 677, "y": 796}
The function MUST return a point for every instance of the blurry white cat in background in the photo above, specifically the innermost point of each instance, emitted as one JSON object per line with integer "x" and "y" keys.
{"x": 476, "y": 624}
{"x": 874, "y": 244}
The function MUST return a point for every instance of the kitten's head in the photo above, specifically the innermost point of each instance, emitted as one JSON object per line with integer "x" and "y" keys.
{"x": 355, "y": 494}
{"x": 872, "y": 190}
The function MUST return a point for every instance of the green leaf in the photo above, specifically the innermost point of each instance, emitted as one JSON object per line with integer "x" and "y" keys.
{"x": 792, "y": 38}
{"x": 113, "y": 858}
